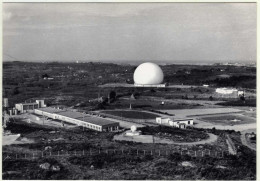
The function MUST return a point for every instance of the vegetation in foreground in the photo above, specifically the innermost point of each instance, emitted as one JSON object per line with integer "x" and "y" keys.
{"x": 175, "y": 134}
{"x": 118, "y": 166}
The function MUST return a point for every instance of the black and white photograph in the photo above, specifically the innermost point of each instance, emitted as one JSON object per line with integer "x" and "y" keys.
{"x": 129, "y": 91}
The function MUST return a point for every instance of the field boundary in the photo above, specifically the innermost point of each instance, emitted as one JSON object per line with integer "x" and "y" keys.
{"x": 134, "y": 152}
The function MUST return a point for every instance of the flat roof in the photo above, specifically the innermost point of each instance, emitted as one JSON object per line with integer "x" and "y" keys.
{"x": 72, "y": 114}
{"x": 79, "y": 116}
{"x": 97, "y": 121}
{"x": 186, "y": 119}
{"x": 50, "y": 110}
{"x": 28, "y": 103}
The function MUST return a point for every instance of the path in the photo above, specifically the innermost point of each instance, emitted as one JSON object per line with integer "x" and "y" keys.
{"x": 150, "y": 139}
{"x": 244, "y": 140}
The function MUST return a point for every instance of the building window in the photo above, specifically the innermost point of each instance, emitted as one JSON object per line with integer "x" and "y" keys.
{"x": 188, "y": 122}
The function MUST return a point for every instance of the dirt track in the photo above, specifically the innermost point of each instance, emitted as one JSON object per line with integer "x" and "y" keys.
{"x": 149, "y": 139}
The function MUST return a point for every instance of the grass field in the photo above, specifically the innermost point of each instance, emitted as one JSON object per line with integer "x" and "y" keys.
{"x": 229, "y": 119}
{"x": 132, "y": 114}
{"x": 201, "y": 112}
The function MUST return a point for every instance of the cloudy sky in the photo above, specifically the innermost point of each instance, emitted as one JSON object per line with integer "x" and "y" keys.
{"x": 160, "y": 32}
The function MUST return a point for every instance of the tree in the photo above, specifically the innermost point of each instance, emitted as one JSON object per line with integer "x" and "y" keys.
{"x": 112, "y": 95}
{"x": 210, "y": 98}
{"x": 16, "y": 91}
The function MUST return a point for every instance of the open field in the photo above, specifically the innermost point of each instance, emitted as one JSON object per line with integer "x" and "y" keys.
{"x": 201, "y": 112}
{"x": 149, "y": 102}
{"x": 133, "y": 114}
{"x": 232, "y": 119}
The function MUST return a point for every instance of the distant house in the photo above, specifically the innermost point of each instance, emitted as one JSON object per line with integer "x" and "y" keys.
{"x": 226, "y": 90}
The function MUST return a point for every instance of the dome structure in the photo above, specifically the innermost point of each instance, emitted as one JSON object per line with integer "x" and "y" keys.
{"x": 148, "y": 74}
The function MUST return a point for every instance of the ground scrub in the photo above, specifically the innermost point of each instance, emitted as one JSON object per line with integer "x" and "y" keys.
{"x": 175, "y": 134}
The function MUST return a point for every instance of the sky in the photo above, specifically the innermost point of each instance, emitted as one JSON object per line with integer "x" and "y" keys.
{"x": 130, "y": 32}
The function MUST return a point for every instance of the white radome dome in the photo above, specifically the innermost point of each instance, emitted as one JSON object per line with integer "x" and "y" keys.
{"x": 133, "y": 128}
{"x": 148, "y": 74}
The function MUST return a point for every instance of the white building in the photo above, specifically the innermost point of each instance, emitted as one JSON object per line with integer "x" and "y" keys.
{"x": 24, "y": 107}
{"x": 226, "y": 90}
{"x": 163, "y": 120}
{"x": 178, "y": 123}
{"x": 181, "y": 123}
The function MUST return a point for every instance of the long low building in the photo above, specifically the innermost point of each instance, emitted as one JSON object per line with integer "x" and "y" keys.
{"x": 80, "y": 119}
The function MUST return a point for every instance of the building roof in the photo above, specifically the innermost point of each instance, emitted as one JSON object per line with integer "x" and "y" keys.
{"x": 178, "y": 120}
{"x": 50, "y": 110}
{"x": 79, "y": 116}
{"x": 97, "y": 121}
{"x": 72, "y": 114}
{"x": 28, "y": 103}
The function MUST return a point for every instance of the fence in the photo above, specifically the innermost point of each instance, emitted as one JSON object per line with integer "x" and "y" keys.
{"x": 136, "y": 152}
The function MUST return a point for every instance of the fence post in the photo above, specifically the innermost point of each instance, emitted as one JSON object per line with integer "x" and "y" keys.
{"x": 159, "y": 152}
{"x": 50, "y": 153}
{"x": 209, "y": 152}
{"x": 33, "y": 155}
{"x": 99, "y": 150}
{"x": 151, "y": 152}
{"x": 137, "y": 151}
{"x": 144, "y": 152}
{"x": 122, "y": 151}
{"x": 83, "y": 152}
{"x": 202, "y": 153}
{"x": 58, "y": 153}
{"x": 195, "y": 153}
{"x": 107, "y": 151}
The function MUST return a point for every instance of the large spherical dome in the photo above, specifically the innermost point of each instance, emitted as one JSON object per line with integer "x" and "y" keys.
{"x": 148, "y": 74}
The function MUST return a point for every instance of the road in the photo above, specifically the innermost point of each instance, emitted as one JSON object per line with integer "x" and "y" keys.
{"x": 244, "y": 140}
{"x": 149, "y": 139}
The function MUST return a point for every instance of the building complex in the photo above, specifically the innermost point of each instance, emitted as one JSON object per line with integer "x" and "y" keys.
{"x": 80, "y": 119}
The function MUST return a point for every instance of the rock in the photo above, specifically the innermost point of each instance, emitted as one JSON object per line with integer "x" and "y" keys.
{"x": 55, "y": 168}
{"x": 187, "y": 164}
{"x": 47, "y": 148}
{"x": 45, "y": 166}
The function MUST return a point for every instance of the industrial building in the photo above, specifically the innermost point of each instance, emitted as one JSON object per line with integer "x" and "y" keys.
{"x": 80, "y": 119}
{"x": 24, "y": 107}
{"x": 178, "y": 123}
